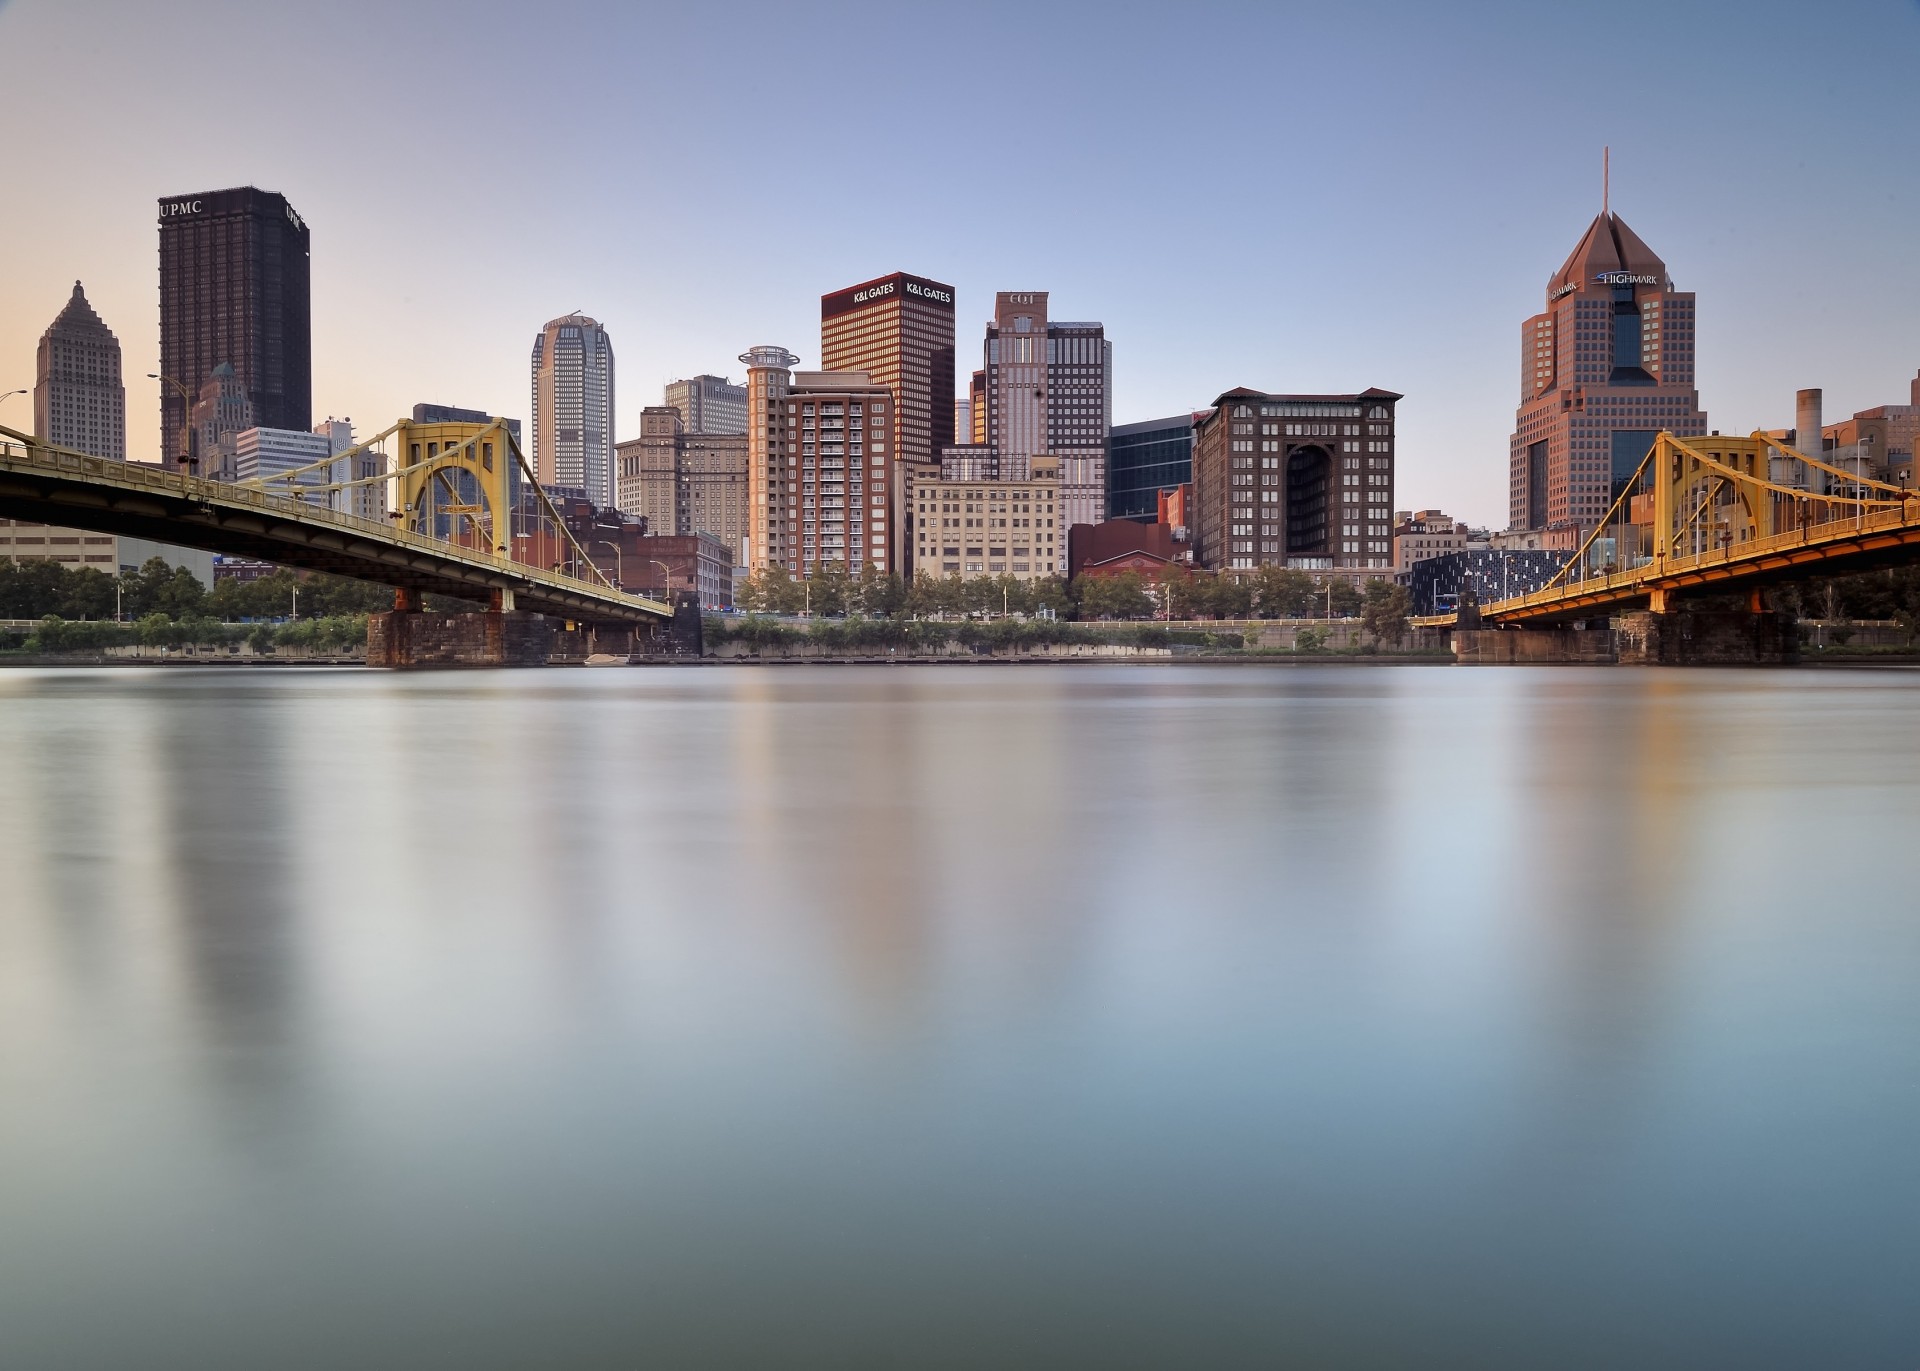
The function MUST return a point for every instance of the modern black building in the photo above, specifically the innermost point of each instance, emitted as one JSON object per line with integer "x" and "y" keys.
{"x": 1490, "y": 573}
{"x": 1144, "y": 459}
{"x": 235, "y": 287}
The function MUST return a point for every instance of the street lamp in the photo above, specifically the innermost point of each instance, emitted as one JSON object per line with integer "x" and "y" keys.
{"x": 10, "y": 394}
{"x": 619, "y": 562}
{"x": 186, "y": 459}
{"x": 666, "y": 576}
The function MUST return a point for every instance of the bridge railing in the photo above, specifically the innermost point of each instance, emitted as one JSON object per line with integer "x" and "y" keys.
{"x": 1627, "y": 579}
{"x": 17, "y": 452}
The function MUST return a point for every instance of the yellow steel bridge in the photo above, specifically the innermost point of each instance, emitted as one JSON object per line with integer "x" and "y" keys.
{"x": 451, "y": 488}
{"x": 1715, "y": 516}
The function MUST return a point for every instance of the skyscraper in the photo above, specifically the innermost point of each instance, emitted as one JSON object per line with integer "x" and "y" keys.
{"x": 573, "y": 407}
{"x": 78, "y": 400}
{"x": 235, "y": 287}
{"x": 708, "y": 404}
{"x": 897, "y": 329}
{"x": 1608, "y": 365}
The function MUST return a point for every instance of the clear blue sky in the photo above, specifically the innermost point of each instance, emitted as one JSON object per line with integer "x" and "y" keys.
{"x": 1285, "y": 196}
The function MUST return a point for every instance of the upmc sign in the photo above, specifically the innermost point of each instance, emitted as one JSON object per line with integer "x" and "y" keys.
{"x": 173, "y": 209}
{"x": 884, "y": 289}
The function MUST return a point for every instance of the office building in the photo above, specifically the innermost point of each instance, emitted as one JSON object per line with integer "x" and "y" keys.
{"x": 357, "y": 474}
{"x": 235, "y": 288}
{"x": 1877, "y": 443}
{"x": 263, "y": 453}
{"x": 1605, "y": 367}
{"x": 1421, "y": 534}
{"x": 79, "y": 403}
{"x": 989, "y": 527}
{"x": 1302, "y": 481}
{"x": 453, "y": 414}
{"x": 684, "y": 483}
{"x": 78, "y": 400}
{"x": 1145, "y": 460}
{"x": 899, "y": 330}
{"x": 708, "y": 404}
{"x": 221, "y": 414}
{"x": 573, "y": 407}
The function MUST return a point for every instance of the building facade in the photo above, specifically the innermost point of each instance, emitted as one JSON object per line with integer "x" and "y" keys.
{"x": 573, "y": 407}
{"x": 1302, "y": 481}
{"x": 1143, "y": 461}
{"x": 1421, "y": 534}
{"x": 684, "y": 483}
{"x": 989, "y": 527}
{"x": 899, "y": 330}
{"x": 708, "y": 404}
{"x": 235, "y": 287}
{"x": 771, "y": 495}
{"x": 78, "y": 399}
{"x": 1604, "y": 368}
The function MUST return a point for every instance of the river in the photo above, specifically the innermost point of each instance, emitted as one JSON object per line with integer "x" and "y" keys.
{"x": 961, "y": 1016}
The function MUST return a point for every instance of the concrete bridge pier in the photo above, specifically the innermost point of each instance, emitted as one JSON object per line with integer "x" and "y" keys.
{"x": 405, "y": 639}
{"x": 1707, "y": 637}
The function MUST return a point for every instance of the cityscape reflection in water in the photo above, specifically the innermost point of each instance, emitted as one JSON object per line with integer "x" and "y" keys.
{"x": 1119, "y": 1016}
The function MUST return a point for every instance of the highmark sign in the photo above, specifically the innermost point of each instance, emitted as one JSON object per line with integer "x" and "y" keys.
{"x": 1624, "y": 278}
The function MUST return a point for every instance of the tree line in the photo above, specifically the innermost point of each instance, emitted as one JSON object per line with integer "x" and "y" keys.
{"x": 35, "y": 589}
{"x": 1268, "y": 593}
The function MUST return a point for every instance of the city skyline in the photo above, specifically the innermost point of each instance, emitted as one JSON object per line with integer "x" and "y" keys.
{"x": 1451, "y": 209}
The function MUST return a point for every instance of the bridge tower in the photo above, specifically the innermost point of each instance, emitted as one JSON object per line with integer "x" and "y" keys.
{"x": 455, "y": 481}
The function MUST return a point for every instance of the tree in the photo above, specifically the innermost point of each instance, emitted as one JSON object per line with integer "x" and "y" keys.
{"x": 157, "y": 588}
{"x": 831, "y": 589}
{"x": 1343, "y": 598}
{"x": 1283, "y": 592}
{"x": 882, "y": 594}
{"x": 1384, "y": 610}
{"x": 1114, "y": 597}
{"x": 1232, "y": 598}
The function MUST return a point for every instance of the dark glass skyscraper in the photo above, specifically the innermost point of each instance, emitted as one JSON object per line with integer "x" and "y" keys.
{"x": 234, "y": 287}
{"x": 1144, "y": 459}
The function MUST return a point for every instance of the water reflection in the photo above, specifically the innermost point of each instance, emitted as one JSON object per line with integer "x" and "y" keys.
{"x": 950, "y": 1017}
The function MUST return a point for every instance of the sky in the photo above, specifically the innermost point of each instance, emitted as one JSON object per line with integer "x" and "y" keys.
{"x": 1290, "y": 197}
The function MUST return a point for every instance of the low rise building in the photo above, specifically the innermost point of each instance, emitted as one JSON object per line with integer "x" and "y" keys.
{"x": 1436, "y": 584}
{"x": 683, "y": 482}
{"x": 1423, "y": 533}
{"x": 989, "y": 526}
{"x": 1121, "y": 545}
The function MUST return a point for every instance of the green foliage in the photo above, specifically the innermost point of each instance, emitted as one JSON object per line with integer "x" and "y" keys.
{"x": 1284, "y": 593}
{"x": 1114, "y": 597}
{"x": 1310, "y": 640}
{"x": 1384, "y": 610}
{"x": 58, "y": 635}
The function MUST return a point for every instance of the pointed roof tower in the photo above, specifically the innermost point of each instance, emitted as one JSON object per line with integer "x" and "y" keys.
{"x": 1608, "y": 248}
{"x": 78, "y": 317}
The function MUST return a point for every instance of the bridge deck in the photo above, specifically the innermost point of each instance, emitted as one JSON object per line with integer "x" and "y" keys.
{"x": 55, "y": 486}
{"x": 1838, "y": 547}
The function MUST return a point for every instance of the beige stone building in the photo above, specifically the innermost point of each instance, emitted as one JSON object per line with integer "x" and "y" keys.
{"x": 1000, "y": 527}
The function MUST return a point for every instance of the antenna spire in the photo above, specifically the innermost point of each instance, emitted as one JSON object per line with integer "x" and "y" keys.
{"x": 1606, "y": 177}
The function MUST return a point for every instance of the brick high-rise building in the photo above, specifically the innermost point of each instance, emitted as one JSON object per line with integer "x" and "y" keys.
{"x": 1301, "y": 481}
{"x": 773, "y": 472}
{"x": 897, "y": 329}
{"x": 78, "y": 400}
{"x": 235, "y": 287}
{"x": 1606, "y": 367}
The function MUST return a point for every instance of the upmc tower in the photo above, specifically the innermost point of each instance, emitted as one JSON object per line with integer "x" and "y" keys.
{"x": 1602, "y": 371}
{"x": 234, "y": 287}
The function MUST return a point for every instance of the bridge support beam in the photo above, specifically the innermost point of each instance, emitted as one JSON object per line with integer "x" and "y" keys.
{"x": 405, "y": 640}
{"x": 1691, "y": 637}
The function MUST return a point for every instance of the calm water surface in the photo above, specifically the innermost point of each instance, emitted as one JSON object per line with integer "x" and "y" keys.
{"x": 960, "y": 1017}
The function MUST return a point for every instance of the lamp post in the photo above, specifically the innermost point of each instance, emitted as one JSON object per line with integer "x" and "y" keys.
{"x": 186, "y": 458}
{"x": 11, "y": 393}
{"x": 619, "y": 562}
{"x": 666, "y": 577}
